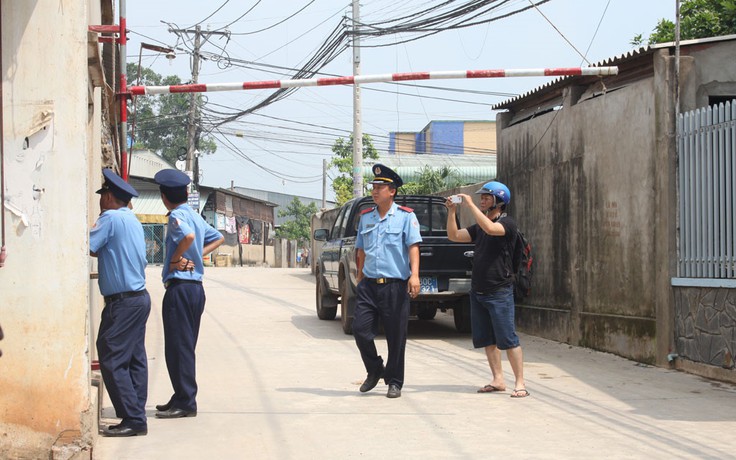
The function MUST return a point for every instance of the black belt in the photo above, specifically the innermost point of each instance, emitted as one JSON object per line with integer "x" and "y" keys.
{"x": 385, "y": 280}
{"x": 175, "y": 281}
{"x": 123, "y": 295}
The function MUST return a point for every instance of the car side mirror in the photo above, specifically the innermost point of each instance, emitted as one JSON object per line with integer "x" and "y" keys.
{"x": 321, "y": 234}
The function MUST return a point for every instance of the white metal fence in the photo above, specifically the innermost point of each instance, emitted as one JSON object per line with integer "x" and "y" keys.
{"x": 707, "y": 193}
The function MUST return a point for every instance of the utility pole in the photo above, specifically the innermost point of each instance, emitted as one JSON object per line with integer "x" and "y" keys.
{"x": 192, "y": 127}
{"x": 324, "y": 183}
{"x": 192, "y": 163}
{"x": 357, "y": 123}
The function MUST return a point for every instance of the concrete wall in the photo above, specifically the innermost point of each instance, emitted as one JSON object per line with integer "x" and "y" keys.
{"x": 252, "y": 254}
{"x": 45, "y": 284}
{"x": 594, "y": 187}
{"x": 591, "y": 189}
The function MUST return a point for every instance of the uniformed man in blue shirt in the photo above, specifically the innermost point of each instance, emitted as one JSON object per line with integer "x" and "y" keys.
{"x": 188, "y": 239}
{"x": 118, "y": 243}
{"x": 387, "y": 249}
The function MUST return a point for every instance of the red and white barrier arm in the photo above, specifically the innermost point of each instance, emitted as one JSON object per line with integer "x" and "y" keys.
{"x": 328, "y": 81}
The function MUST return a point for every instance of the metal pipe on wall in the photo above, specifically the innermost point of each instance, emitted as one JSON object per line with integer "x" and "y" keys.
{"x": 123, "y": 93}
{"x": 2, "y": 167}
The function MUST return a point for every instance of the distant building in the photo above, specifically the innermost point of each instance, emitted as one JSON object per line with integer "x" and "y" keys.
{"x": 281, "y": 200}
{"x": 243, "y": 220}
{"x": 467, "y": 148}
{"x": 476, "y": 137}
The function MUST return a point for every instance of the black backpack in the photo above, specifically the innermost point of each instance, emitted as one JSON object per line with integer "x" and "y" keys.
{"x": 521, "y": 264}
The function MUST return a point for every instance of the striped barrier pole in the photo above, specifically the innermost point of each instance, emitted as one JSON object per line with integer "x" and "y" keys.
{"x": 378, "y": 78}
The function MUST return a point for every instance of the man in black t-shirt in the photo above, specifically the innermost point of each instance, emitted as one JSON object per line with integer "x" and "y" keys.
{"x": 492, "y": 290}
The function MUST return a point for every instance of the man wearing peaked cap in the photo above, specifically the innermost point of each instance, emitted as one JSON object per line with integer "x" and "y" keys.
{"x": 188, "y": 239}
{"x": 387, "y": 253}
{"x": 385, "y": 175}
{"x": 120, "y": 189}
{"x": 173, "y": 184}
{"x": 118, "y": 243}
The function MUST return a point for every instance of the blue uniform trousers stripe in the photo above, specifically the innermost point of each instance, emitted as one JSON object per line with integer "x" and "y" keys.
{"x": 122, "y": 354}
{"x": 388, "y": 303}
{"x": 183, "y": 306}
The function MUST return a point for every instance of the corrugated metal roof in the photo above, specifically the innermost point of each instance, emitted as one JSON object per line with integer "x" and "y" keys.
{"x": 469, "y": 168}
{"x": 149, "y": 202}
{"x": 616, "y": 60}
{"x": 281, "y": 200}
{"x": 144, "y": 163}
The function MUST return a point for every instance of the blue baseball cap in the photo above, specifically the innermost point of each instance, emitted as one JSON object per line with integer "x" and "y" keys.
{"x": 120, "y": 189}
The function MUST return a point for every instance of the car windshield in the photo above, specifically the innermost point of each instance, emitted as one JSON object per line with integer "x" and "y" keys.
{"x": 432, "y": 215}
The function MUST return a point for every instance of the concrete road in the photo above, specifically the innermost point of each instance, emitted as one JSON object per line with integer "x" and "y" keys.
{"x": 275, "y": 382}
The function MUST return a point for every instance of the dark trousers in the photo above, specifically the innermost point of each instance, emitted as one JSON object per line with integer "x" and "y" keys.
{"x": 389, "y": 304}
{"x": 183, "y": 305}
{"x": 121, "y": 349}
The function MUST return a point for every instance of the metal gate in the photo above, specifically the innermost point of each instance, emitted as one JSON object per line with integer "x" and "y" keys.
{"x": 707, "y": 193}
{"x": 154, "y": 234}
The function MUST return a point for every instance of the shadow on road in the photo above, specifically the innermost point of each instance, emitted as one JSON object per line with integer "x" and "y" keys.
{"x": 439, "y": 328}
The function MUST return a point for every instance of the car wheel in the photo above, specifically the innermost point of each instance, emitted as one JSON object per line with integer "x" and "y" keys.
{"x": 461, "y": 315}
{"x": 326, "y": 301}
{"x": 347, "y": 304}
{"x": 426, "y": 311}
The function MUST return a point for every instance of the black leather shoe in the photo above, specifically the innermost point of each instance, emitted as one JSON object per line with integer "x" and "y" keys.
{"x": 173, "y": 412}
{"x": 163, "y": 407}
{"x": 371, "y": 381}
{"x": 393, "y": 391}
{"x": 119, "y": 431}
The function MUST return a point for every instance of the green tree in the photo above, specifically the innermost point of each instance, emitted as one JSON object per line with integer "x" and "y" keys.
{"x": 698, "y": 19}
{"x": 343, "y": 161}
{"x": 299, "y": 227}
{"x": 161, "y": 121}
{"x": 432, "y": 181}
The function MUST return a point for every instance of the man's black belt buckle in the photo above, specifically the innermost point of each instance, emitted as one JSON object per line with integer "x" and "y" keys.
{"x": 175, "y": 281}
{"x": 123, "y": 295}
{"x": 385, "y": 280}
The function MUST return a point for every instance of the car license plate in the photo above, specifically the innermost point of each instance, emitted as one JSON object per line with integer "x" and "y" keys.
{"x": 428, "y": 284}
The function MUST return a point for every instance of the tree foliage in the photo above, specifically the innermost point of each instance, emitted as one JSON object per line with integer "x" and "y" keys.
{"x": 343, "y": 161}
{"x": 161, "y": 121}
{"x": 698, "y": 19}
{"x": 432, "y": 181}
{"x": 299, "y": 227}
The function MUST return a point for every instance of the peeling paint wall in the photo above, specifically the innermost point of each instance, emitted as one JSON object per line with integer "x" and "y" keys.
{"x": 44, "y": 285}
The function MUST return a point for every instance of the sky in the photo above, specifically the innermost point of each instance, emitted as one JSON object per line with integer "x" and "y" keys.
{"x": 281, "y": 147}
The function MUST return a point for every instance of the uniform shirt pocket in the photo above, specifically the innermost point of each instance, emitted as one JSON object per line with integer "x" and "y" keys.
{"x": 369, "y": 236}
{"x": 394, "y": 237}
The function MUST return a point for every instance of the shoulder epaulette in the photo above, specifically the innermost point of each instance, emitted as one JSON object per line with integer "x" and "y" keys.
{"x": 406, "y": 209}
{"x": 367, "y": 210}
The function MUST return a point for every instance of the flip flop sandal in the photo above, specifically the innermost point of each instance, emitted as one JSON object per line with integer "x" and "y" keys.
{"x": 490, "y": 389}
{"x": 520, "y": 393}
